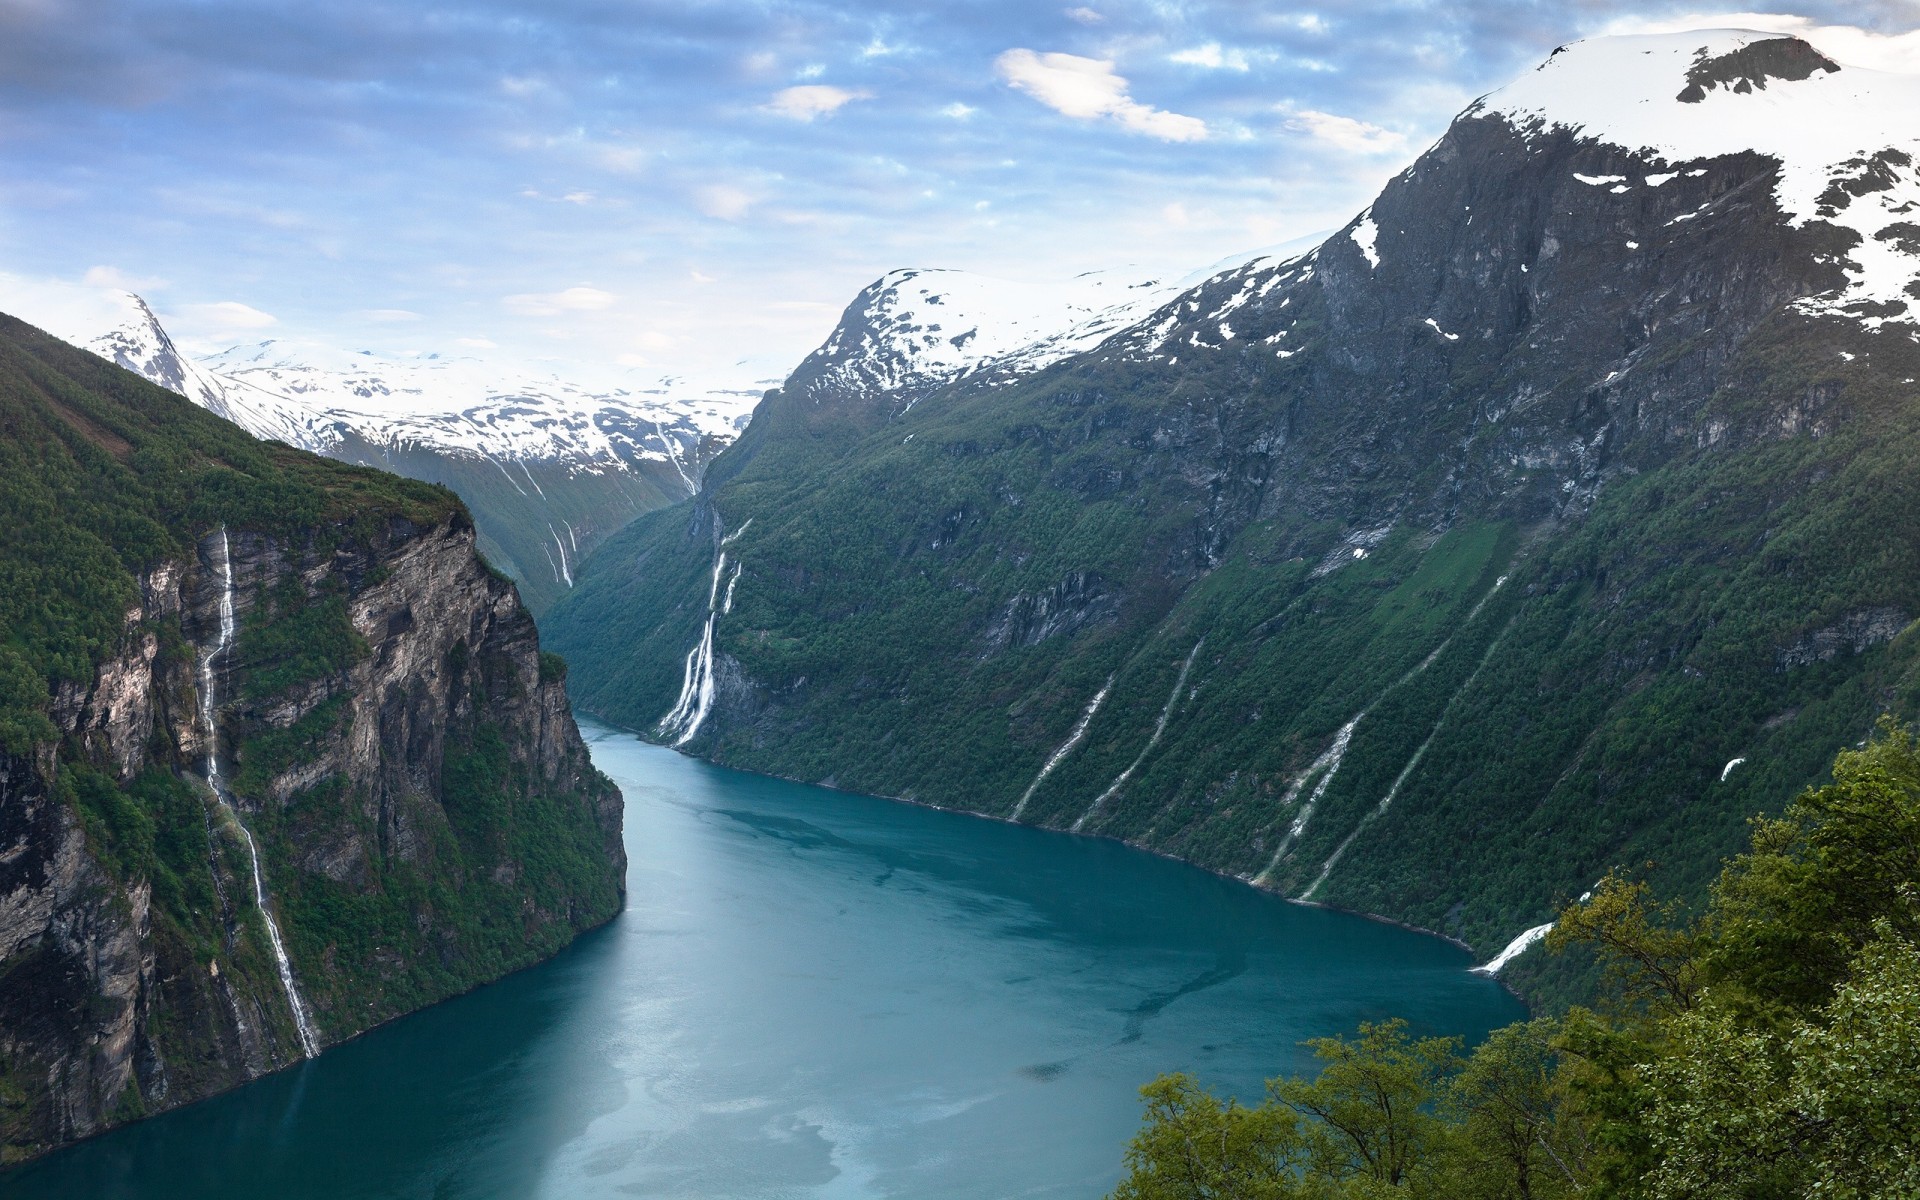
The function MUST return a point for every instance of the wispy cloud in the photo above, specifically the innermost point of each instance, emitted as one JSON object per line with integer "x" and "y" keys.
{"x": 806, "y": 101}
{"x": 1347, "y": 133}
{"x": 1089, "y": 89}
{"x": 551, "y": 304}
{"x": 114, "y": 277}
{"x": 1213, "y": 57}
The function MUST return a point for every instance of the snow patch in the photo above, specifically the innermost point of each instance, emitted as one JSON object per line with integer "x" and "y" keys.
{"x": 1515, "y": 948}
{"x": 1846, "y": 140}
{"x": 1366, "y": 235}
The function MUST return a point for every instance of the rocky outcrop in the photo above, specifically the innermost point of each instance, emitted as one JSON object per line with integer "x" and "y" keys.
{"x": 1430, "y": 573}
{"x": 396, "y": 743}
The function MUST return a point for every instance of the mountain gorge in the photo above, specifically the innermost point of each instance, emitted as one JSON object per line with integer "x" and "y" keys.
{"x": 1553, "y": 514}
{"x": 549, "y": 468}
{"x": 280, "y": 755}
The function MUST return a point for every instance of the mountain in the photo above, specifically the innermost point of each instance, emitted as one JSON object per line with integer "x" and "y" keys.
{"x": 280, "y": 756}
{"x": 1555, "y": 513}
{"x": 549, "y": 468}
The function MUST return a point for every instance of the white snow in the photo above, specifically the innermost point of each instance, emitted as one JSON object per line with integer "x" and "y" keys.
{"x": 316, "y": 397}
{"x": 1598, "y": 180}
{"x": 1366, "y": 235}
{"x": 1452, "y": 337}
{"x": 1731, "y": 764}
{"x": 1624, "y": 91}
{"x": 1515, "y": 948}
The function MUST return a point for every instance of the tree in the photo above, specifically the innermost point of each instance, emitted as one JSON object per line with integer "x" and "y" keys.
{"x": 1191, "y": 1146}
{"x": 1372, "y": 1104}
{"x": 1514, "y": 1136}
{"x": 1790, "y": 915}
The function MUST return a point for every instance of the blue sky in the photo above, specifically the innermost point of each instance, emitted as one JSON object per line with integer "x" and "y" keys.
{"x": 597, "y": 182}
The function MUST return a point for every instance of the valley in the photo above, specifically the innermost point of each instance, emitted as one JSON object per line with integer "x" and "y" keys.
{"x": 1443, "y": 683}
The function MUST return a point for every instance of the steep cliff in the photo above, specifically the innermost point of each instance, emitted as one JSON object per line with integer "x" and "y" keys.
{"x": 280, "y": 756}
{"x": 1428, "y": 573}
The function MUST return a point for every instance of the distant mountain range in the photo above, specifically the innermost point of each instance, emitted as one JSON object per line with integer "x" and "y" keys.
{"x": 548, "y": 467}
{"x": 1556, "y": 512}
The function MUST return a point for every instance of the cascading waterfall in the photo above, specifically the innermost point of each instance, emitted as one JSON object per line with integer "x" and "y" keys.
{"x": 1329, "y": 762}
{"x": 1073, "y": 739}
{"x": 1159, "y": 728}
{"x": 1399, "y": 780}
{"x": 209, "y": 702}
{"x": 1326, "y": 766}
{"x": 696, "y": 688}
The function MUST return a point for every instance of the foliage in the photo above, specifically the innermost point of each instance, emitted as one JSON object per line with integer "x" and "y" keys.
{"x": 103, "y": 476}
{"x": 1769, "y": 1048}
{"x": 388, "y": 900}
{"x": 1712, "y": 603}
{"x": 1194, "y": 1147}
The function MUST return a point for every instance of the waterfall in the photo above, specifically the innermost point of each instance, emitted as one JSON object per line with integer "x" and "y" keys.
{"x": 1078, "y": 732}
{"x": 302, "y": 1022}
{"x": 1159, "y": 728}
{"x": 690, "y": 711}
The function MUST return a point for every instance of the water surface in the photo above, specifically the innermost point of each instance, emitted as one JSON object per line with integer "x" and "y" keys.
{"x": 811, "y": 994}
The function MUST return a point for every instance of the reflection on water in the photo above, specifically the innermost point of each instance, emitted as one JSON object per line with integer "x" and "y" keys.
{"x": 810, "y": 995}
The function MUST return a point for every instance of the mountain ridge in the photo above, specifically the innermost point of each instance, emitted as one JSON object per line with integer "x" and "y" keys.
{"x": 1303, "y": 538}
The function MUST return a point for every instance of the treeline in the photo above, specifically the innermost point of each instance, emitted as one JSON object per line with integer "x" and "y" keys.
{"x": 1767, "y": 1047}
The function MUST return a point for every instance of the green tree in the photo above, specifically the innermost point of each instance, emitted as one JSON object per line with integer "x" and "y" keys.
{"x": 1514, "y": 1134}
{"x": 1649, "y": 955}
{"x": 1790, "y": 915}
{"x": 1372, "y": 1103}
{"x": 1192, "y": 1146}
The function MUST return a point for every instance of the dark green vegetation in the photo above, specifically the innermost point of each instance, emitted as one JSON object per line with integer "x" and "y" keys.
{"x": 524, "y": 510}
{"x": 104, "y": 476}
{"x": 426, "y": 817}
{"x": 1699, "y": 498}
{"x": 1769, "y": 1048}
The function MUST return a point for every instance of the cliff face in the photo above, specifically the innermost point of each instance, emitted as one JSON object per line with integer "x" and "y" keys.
{"x": 404, "y": 806}
{"x": 1429, "y": 573}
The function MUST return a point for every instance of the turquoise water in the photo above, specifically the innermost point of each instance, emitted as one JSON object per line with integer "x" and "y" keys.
{"x": 811, "y": 994}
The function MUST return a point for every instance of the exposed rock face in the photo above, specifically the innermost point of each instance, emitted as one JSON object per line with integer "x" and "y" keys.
{"x": 112, "y": 1004}
{"x": 1429, "y": 573}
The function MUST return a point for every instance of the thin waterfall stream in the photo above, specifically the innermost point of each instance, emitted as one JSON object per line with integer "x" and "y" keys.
{"x": 209, "y": 703}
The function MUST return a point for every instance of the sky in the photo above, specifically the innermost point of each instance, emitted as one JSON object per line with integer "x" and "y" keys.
{"x": 677, "y": 185}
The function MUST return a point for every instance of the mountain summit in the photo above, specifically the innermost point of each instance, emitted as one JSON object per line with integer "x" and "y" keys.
{"x": 1554, "y": 513}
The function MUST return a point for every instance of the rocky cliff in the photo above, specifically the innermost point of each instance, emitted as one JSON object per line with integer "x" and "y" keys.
{"x": 280, "y": 756}
{"x": 1428, "y": 573}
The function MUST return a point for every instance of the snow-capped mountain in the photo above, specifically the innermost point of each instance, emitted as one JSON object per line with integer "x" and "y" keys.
{"x": 914, "y": 330}
{"x": 548, "y": 466}
{"x": 1429, "y": 572}
{"x": 1846, "y": 138}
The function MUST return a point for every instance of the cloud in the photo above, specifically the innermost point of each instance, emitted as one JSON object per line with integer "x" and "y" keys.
{"x": 390, "y": 316}
{"x": 1088, "y": 89}
{"x": 722, "y": 203}
{"x": 228, "y": 314}
{"x": 114, "y": 277}
{"x": 1850, "y": 44}
{"x": 810, "y": 100}
{"x": 1346, "y": 133}
{"x": 958, "y": 111}
{"x": 473, "y": 343}
{"x": 550, "y": 304}
{"x": 1213, "y": 57}
{"x": 1086, "y": 16}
